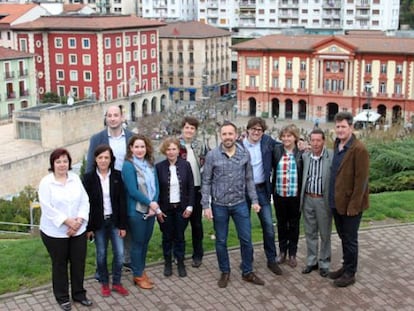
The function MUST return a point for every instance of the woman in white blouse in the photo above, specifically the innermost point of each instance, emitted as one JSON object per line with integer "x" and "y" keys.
{"x": 65, "y": 210}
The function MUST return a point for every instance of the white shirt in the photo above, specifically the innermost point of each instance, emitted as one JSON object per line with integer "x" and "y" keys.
{"x": 174, "y": 185}
{"x": 59, "y": 202}
{"x": 194, "y": 164}
{"x": 107, "y": 205}
{"x": 118, "y": 146}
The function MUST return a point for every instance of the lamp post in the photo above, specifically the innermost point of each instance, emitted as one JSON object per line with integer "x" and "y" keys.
{"x": 368, "y": 87}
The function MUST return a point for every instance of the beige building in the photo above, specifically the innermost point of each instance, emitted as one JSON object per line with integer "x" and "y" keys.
{"x": 195, "y": 60}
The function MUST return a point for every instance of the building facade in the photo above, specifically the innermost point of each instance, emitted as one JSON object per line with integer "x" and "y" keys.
{"x": 17, "y": 82}
{"x": 257, "y": 17}
{"x": 195, "y": 60}
{"x": 93, "y": 57}
{"x": 313, "y": 77}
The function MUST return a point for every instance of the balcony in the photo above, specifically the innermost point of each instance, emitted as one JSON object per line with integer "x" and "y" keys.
{"x": 11, "y": 95}
{"x": 23, "y": 73}
{"x": 9, "y": 75}
{"x": 191, "y": 73}
{"x": 24, "y": 93}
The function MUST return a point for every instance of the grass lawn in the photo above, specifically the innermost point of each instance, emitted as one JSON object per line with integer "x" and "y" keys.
{"x": 25, "y": 263}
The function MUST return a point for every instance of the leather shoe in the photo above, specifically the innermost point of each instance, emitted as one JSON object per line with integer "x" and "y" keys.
{"x": 196, "y": 263}
{"x": 345, "y": 280}
{"x": 66, "y": 306}
{"x": 253, "y": 278}
{"x": 274, "y": 267}
{"x": 309, "y": 269}
{"x": 224, "y": 280}
{"x": 281, "y": 258}
{"x": 292, "y": 261}
{"x": 85, "y": 302}
{"x": 336, "y": 274}
{"x": 323, "y": 272}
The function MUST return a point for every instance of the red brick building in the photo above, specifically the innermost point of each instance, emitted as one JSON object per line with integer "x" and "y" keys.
{"x": 105, "y": 57}
{"x": 313, "y": 77}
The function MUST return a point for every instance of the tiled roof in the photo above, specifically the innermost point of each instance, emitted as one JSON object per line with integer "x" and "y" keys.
{"x": 363, "y": 43}
{"x": 88, "y": 23}
{"x": 12, "y": 11}
{"x": 191, "y": 29}
{"x": 73, "y": 7}
{"x": 13, "y": 54}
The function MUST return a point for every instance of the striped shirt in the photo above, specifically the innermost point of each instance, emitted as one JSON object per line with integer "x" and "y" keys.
{"x": 314, "y": 179}
{"x": 287, "y": 176}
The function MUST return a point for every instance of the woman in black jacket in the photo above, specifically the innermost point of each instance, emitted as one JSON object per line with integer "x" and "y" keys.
{"x": 176, "y": 201}
{"x": 107, "y": 218}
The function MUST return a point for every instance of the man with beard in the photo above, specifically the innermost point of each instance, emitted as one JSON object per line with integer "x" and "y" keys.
{"x": 227, "y": 175}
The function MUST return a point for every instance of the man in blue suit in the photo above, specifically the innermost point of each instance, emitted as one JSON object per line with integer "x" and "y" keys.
{"x": 117, "y": 138}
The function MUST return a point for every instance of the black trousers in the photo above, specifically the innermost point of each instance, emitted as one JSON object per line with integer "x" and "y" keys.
{"x": 62, "y": 251}
{"x": 288, "y": 221}
{"x": 347, "y": 228}
{"x": 197, "y": 226}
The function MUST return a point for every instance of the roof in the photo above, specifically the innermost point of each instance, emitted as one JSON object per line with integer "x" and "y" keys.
{"x": 362, "y": 43}
{"x": 12, "y": 54}
{"x": 191, "y": 29}
{"x": 9, "y": 12}
{"x": 73, "y": 7}
{"x": 88, "y": 23}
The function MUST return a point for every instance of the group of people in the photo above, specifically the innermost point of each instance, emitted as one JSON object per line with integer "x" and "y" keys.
{"x": 124, "y": 191}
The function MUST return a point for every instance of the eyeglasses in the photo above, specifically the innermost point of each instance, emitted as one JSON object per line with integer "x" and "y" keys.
{"x": 256, "y": 129}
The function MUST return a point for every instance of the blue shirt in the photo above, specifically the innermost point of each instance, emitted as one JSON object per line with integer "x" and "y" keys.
{"x": 256, "y": 160}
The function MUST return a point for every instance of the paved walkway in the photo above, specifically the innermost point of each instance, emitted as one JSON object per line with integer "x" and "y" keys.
{"x": 385, "y": 282}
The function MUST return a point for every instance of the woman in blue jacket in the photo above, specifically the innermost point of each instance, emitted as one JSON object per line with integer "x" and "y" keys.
{"x": 141, "y": 184}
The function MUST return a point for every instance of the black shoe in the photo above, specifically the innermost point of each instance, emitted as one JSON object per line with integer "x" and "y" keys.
{"x": 336, "y": 274}
{"x": 224, "y": 279}
{"x": 344, "y": 281}
{"x": 253, "y": 278}
{"x": 181, "y": 268}
{"x": 309, "y": 269}
{"x": 274, "y": 267}
{"x": 84, "y": 302}
{"x": 66, "y": 306}
{"x": 196, "y": 263}
{"x": 167, "y": 268}
{"x": 323, "y": 272}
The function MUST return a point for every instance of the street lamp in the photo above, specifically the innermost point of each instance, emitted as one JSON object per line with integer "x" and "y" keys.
{"x": 368, "y": 88}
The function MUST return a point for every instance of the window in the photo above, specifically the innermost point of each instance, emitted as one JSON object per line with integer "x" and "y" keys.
{"x": 135, "y": 40}
{"x": 88, "y": 92}
{"x": 303, "y": 65}
{"x": 107, "y": 43}
{"x": 275, "y": 82}
{"x": 22, "y": 45}
{"x": 73, "y": 60}
{"x": 153, "y": 38}
{"x": 108, "y": 59}
{"x": 289, "y": 65}
{"x": 275, "y": 65}
{"x": 73, "y": 75}
{"x": 60, "y": 75}
{"x": 143, "y": 39}
{"x": 397, "y": 88}
{"x": 127, "y": 41}
{"x": 136, "y": 55}
{"x": 86, "y": 59}
{"x": 109, "y": 93}
{"x": 289, "y": 83}
{"x": 128, "y": 56}
{"x": 72, "y": 43}
{"x": 86, "y": 44}
{"x": 132, "y": 71}
{"x": 252, "y": 81}
{"x": 302, "y": 84}
{"x": 118, "y": 58}
{"x": 144, "y": 69}
{"x": 144, "y": 54}
{"x": 118, "y": 42}
{"x": 58, "y": 43}
{"x": 384, "y": 68}
{"x": 87, "y": 76}
{"x": 59, "y": 58}
{"x": 153, "y": 53}
{"x": 399, "y": 69}
{"x": 382, "y": 88}
{"x": 119, "y": 73}
{"x": 108, "y": 75}
{"x": 253, "y": 63}
{"x": 368, "y": 68}
{"x": 153, "y": 68}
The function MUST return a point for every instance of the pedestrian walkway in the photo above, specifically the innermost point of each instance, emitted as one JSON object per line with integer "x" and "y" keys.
{"x": 385, "y": 281}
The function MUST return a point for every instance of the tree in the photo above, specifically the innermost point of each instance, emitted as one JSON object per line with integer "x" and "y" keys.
{"x": 51, "y": 97}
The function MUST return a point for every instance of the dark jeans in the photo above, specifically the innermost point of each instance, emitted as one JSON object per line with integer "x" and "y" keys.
{"x": 288, "y": 218}
{"x": 102, "y": 237}
{"x": 62, "y": 251}
{"x": 197, "y": 226}
{"x": 173, "y": 228}
{"x": 266, "y": 221}
{"x": 347, "y": 228}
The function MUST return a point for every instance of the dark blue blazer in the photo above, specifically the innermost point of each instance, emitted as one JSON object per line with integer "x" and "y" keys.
{"x": 93, "y": 187}
{"x": 185, "y": 178}
{"x": 99, "y": 139}
{"x": 267, "y": 145}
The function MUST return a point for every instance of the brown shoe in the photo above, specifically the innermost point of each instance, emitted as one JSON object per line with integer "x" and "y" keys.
{"x": 142, "y": 282}
{"x": 253, "y": 278}
{"x": 145, "y": 275}
{"x": 336, "y": 274}
{"x": 344, "y": 281}
{"x": 281, "y": 258}
{"x": 224, "y": 280}
{"x": 274, "y": 267}
{"x": 292, "y": 261}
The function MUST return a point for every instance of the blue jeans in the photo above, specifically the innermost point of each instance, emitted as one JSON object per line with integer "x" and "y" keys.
{"x": 173, "y": 228}
{"x": 266, "y": 221}
{"x": 241, "y": 217}
{"x": 102, "y": 237}
{"x": 347, "y": 228}
{"x": 141, "y": 232}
